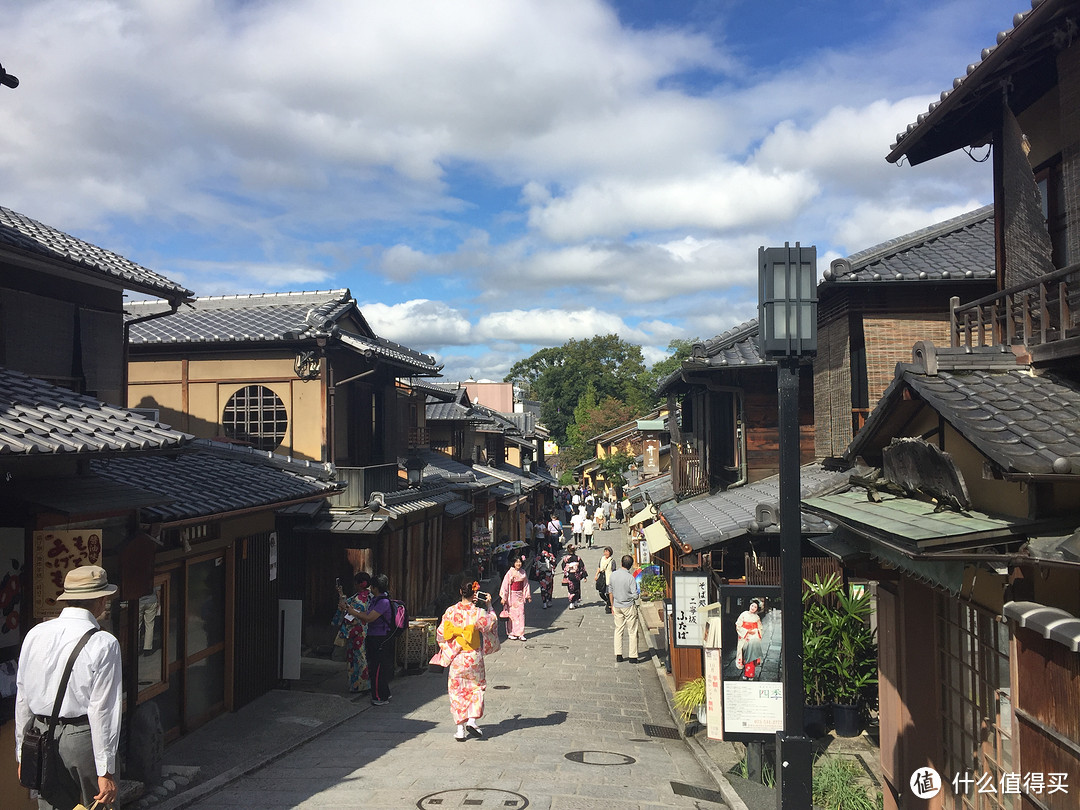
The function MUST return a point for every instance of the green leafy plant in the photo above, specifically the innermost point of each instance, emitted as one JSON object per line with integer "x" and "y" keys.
{"x": 836, "y": 786}
{"x": 652, "y": 588}
{"x": 839, "y": 647}
{"x": 688, "y": 697}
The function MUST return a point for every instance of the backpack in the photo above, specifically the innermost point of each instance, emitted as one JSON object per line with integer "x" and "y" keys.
{"x": 399, "y": 618}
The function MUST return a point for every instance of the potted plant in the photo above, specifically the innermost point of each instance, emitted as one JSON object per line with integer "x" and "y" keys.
{"x": 843, "y": 651}
{"x": 818, "y": 657}
{"x": 689, "y": 697}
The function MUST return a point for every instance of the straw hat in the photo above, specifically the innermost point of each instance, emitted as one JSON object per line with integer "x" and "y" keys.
{"x": 86, "y": 582}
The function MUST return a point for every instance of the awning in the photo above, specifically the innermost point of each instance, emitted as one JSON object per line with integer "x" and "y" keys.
{"x": 656, "y": 537}
{"x": 1053, "y": 623}
{"x": 643, "y": 515}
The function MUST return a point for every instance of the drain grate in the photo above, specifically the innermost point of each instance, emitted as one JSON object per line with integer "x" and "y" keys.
{"x": 695, "y": 792}
{"x": 661, "y": 731}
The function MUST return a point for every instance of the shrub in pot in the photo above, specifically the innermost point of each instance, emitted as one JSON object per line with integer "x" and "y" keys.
{"x": 688, "y": 697}
{"x": 843, "y": 650}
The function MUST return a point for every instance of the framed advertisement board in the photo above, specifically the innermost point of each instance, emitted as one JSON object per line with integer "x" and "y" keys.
{"x": 691, "y": 592}
{"x": 750, "y": 661}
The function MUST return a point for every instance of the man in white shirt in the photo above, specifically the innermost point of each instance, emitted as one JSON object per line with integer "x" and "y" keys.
{"x": 89, "y": 729}
{"x": 576, "y": 523}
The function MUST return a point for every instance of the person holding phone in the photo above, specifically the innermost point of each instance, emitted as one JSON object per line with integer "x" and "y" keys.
{"x": 468, "y": 631}
{"x": 354, "y": 632}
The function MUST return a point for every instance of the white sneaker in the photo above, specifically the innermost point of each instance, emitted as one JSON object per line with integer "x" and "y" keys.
{"x": 460, "y": 735}
{"x": 473, "y": 729}
{"x": 571, "y": 606}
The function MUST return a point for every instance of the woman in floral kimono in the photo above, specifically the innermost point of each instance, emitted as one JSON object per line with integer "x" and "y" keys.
{"x": 544, "y": 572}
{"x": 514, "y": 593}
{"x": 748, "y": 652}
{"x": 467, "y": 632}
{"x": 573, "y": 572}
{"x": 354, "y": 632}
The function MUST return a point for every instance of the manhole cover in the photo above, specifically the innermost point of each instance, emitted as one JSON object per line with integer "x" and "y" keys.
{"x": 695, "y": 792}
{"x": 600, "y": 758}
{"x": 661, "y": 731}
{"x": 487, "y": 798}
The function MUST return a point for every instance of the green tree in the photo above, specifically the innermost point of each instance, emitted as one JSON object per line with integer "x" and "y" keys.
{"x": 680, "y": 350}
{"x": 560, "y": 375}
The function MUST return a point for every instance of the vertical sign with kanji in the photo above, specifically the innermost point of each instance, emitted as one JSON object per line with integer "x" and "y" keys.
{"x": 691, "y": 592}
{"x": 57, "y": 551}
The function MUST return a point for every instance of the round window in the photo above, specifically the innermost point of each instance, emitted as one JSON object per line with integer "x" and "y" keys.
{"x": 256, "y": 415}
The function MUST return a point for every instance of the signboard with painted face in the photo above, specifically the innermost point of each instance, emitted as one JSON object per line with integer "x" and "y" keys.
{"x": 57, "y": 551}
{"x": 753, "y": 693}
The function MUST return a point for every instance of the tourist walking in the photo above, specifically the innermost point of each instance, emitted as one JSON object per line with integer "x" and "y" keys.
{"x": 87, "y": 734}
{"x": 573, "y": 571}
{"x": 587, "y": 529}
{"x": 624, "y": 596}
{"x": 514, "y": 593}
{"x": 544, "y": 573}
{"x": 466, "y": 633}
{"x": 604, "y": 570}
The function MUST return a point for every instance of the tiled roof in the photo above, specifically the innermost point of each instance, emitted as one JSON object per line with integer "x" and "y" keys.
{"x": 37, "y": 418}
{"x": 217, "y": 478}
{"x": 440, "y": 465}
{"x": 710, "y": 519}
{"x": 1032, "y": 31}
{"x": 658, "y": 489}
{"x": 738, "y": 347}
{"x": 1025, "y": 423}
{"x": 958, "y": 249}
{"x": 511, "y": 474}
{"x": 269, "y": 318}
{"x": 33, "y": 237}
{"x": 453, "y": 412}
{"x": 266, "y": 317}
{"x": 390, "y": 352}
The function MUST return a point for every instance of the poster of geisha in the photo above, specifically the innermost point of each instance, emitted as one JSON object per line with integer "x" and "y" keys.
{"x": 750, "y": 660}
{"x": 57, "y": 551}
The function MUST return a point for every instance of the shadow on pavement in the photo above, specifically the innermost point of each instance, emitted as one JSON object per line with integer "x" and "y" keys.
{"x": 517, "y": 722}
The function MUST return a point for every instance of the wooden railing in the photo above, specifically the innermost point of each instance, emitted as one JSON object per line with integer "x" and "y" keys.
{"x": 1032, "y": 314}
{"x": 418, "y": 437}
{"x": 692, "y": 479}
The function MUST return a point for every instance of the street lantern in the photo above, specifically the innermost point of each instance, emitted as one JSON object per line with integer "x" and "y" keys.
{"x": 787, "y": 300}
{"x": 787, "y": 328}
{"x": 414, "y": 470}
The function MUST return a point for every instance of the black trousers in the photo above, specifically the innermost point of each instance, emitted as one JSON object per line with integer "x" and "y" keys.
{"x": 380, "y": 661}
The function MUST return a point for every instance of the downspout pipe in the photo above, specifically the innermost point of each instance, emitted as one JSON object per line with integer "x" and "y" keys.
{"x": 174, "y": 305}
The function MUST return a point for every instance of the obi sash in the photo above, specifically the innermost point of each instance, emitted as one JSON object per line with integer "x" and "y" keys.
{"x": 468, "y": 636}
{"x": 518, "y": 585}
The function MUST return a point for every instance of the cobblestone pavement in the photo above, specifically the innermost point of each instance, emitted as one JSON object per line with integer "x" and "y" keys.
{"x": 565, "y": 728}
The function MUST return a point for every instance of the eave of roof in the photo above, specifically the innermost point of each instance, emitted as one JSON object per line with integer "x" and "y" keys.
{"x": 966, "y": 113}
{"x": 22, "y": 235}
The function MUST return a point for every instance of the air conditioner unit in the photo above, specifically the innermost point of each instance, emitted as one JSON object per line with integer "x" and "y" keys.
{"x": 153, "y": 414}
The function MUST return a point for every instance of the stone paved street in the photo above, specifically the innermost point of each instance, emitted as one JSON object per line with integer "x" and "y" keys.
{"x": 565, "y": 728}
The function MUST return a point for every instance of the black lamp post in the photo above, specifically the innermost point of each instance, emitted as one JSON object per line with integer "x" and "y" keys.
{"x": 787, "y": 320}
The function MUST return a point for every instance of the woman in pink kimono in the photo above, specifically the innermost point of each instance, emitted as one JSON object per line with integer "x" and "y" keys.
{"x": 514, "y": 593}
{"x": 467, "y": 632}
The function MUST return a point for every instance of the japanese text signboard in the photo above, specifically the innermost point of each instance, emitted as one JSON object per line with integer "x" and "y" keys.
{"x": 57, "y": 551}
{"x": 691, "y": 592}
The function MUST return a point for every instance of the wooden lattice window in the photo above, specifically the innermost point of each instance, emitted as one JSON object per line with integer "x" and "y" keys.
{"x": 256, "y": 415}
{"x": 976, "y": 704}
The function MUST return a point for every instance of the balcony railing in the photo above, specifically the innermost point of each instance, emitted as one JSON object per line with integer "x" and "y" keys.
{"x": 418, "y": 438}
{"x": 1034, "y": 314}
{"x": 362, "y": 482}
{"x": 690, "y": 478}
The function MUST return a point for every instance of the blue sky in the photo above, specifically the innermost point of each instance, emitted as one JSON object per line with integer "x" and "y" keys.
{"x": 488, "y": 178}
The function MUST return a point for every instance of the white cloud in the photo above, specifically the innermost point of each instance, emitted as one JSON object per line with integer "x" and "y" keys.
{"x": 728, "y": 198}
{"x": 873, "y": 223}
{"x": 420, "y": 324}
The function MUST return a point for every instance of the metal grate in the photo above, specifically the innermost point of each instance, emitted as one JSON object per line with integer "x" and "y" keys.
{"x": 661, "y": 731}
{"x": 695, "y": 792}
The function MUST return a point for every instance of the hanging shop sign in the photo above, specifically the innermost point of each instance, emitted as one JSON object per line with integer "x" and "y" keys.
{"x": 57, "y": 551}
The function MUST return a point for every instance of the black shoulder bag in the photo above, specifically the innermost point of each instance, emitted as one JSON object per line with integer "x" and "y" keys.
{"x": 41, "y": 768}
